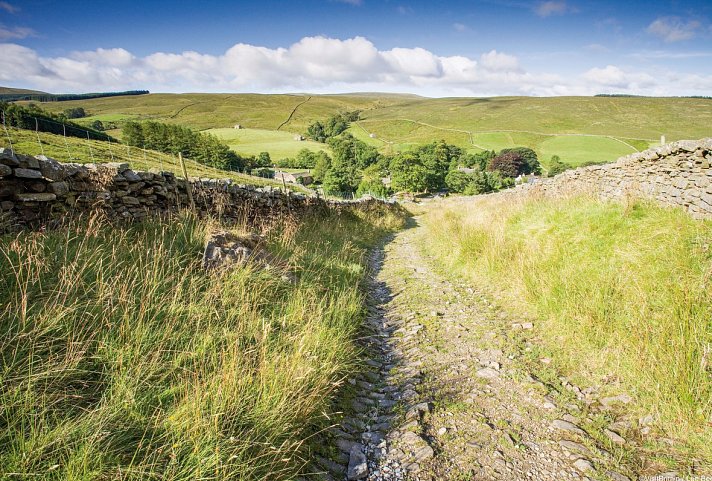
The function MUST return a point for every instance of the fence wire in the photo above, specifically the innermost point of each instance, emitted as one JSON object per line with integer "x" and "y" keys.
{"x": 83, "y": 149}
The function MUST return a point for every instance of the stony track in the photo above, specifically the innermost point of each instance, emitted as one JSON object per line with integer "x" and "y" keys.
{"x": 444, "y": 397}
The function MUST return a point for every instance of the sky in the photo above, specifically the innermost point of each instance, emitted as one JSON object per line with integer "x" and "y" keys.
{"x": 436, "y": 49}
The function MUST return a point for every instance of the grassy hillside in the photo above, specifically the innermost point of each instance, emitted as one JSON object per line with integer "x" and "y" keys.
{"x": 85, "y": 151}
{"x": 13, "y": 91}
{"x": 207, "y": 111}
{"x": 611, "y": 126}
{"x": 620, "y": 292}
{"x": 123, "y": 359}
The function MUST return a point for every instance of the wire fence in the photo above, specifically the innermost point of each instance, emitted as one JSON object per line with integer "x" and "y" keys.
{"x": 79, "y": 147}
{"x": 75, "y": 145}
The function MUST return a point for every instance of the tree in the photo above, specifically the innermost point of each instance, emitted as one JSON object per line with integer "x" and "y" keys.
{"x": 531, "y": 161}
{"x": 321, "y": 167}
{"x": 316, "y": 132}
{"x": 408, "y": 173}
{"x": 97, "y": 125}
{"x": 458, "y": 180}
{"x": 372, "y": 183}
{"x": 556, "y": 166}
{"x": 263, "y": 159}
{"x": 508, "y": 164}
{"x": 75, "y": 113}
{"x": 339, "y": 181}
{"x": 476, "y": 161}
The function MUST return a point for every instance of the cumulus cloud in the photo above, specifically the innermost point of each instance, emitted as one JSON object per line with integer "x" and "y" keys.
{"x": 552, "y": 7}
{"x": 10, "y": 33}
{"x": 9, "y": 8}
{"x": 320, "y": 65}
{"x": 674, "y": 29}
{"x": 615, "y": 77}
{"x": 496, "y": 61}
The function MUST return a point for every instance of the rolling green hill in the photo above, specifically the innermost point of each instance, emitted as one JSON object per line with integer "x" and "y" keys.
{"x": 13, "y": 91}
{"x": 578, "y": 129}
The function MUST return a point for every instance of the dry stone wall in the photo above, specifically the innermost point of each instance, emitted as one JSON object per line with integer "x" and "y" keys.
{"x": 676, "y": 174}
{"x": 37, "y": 191}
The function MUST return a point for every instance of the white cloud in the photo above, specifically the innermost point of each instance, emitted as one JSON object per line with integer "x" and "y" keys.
{"x": 325, "y": 65}
{"x": 495, "y": 61}
{"x": 9, "y": 8}
{"x": 615, "y": 77}
{"x": 10, "y": 33}
{"x": 460, "y": 27}
{"x": 355, "y": 3}
{"x": 552, "y": 7}
{"x": 674, "y": 29}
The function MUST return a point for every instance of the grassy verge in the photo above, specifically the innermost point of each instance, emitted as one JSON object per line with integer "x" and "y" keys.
{"x": 120, "y": 358}
{"x": 621, "y": 293}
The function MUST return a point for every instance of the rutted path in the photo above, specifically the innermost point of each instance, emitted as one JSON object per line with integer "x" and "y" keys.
{"x": 444, "y": 397}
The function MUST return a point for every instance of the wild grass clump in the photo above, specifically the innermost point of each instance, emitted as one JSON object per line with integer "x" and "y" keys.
{"x": 122, "y": 359}
{"x": 622, "y": 292}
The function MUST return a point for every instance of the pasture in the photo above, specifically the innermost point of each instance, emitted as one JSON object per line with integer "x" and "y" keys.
{"x": 253, "y": 141}
{"x": 577, "y": 129}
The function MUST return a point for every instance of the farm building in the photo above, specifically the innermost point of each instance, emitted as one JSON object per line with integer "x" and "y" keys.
{"x": 298, "y": 138}
{"x": 237, "y": 127}
{"x": 303, "y": 178}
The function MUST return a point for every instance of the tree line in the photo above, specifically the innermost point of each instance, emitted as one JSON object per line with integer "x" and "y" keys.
{"x": 46, "y": 97}
{"x": 173, "y": 139}
{"x": 32, "y": 117}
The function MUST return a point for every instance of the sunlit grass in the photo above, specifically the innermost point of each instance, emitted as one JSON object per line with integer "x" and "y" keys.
{"x": 621, "y": 293}
{"x": 120, "y": 358}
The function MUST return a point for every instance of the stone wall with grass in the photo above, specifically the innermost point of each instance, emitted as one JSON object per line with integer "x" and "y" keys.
{"x": 676, "y": 174}
{"x": 38, "y": 191}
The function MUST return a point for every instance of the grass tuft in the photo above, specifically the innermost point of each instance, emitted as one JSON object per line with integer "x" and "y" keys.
{"x": 621, "y": 291}
{"x": 120, "y": 358}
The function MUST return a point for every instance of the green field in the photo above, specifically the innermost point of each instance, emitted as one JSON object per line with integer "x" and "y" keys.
{"x": 402, "y": 122}
{"x": 85, "y": 151}
{"x": 253, "y": 141}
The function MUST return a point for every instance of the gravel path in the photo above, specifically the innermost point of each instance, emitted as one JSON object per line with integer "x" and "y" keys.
{"x": 443, "y": 396}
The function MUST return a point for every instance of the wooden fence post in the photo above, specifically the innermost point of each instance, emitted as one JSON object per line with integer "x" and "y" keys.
{"x": 187, "y": 181}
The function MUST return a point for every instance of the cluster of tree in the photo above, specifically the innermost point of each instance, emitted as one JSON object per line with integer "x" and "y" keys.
{"x": 358, "y": 168}
{"x": 75, "y": 113}
{"x": 342, "y": 173}
{"x": 64, "y": 97}
{"x": 32, "y": 117}
{"x": 305, "y": 159}
{"x": 172, "y": 139}
{"x": 557, "y": 166}
{"x": 515, "y": 162}
{"x": 475, "y": 181}
{"x": 334, "y": 125}
{"x": 646, "y": 96}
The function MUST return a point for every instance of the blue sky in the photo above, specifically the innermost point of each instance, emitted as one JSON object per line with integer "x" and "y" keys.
{"x": 477, "y": 48}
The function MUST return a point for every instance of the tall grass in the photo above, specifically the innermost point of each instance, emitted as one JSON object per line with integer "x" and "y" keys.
{"x": 622, "y": 293}
{"x": 122, "y": 359}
